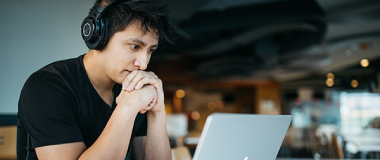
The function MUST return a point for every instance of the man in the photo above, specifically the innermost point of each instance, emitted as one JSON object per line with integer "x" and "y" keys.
{"x": 101, "y": 105}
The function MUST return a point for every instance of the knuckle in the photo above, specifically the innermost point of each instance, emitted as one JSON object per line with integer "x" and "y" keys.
{"x": 134, "y": 71}
{"x": 140, "y": 83}
{"x": 140, "y": 74}
{"x": 135, "y": 81}
{"x": 152, "y": 73}
{"x": 129, "y": 78}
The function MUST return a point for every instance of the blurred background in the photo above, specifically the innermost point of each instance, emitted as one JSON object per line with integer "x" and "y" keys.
{"x": 317, "y": 60}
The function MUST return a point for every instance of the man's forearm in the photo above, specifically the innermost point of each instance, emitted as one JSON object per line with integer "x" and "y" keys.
{"x": 157, "y": 141}
{"x": 114, "y": 140}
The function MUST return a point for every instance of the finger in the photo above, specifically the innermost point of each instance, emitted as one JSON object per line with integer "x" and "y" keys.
{"x": 150, "y": 106}
{"x": 133, "y": 76}
{"x": 135, "y": 80}
{"x": 160, "y": 92}
{"x": 147, "y": 108}
{"x": 128, "y": 79}
{"x": 157, "y": 83}
{"x": 153, "y": 75}
{"x": 142, "y": 82}
{"x": 143, "y": 78}
{"x": 153, "y": 103}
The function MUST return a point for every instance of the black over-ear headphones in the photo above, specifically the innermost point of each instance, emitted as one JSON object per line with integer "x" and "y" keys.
{"x": 93, "y": 28}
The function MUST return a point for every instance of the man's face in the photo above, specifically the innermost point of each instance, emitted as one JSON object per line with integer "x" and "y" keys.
{"x": 128, "y": 50}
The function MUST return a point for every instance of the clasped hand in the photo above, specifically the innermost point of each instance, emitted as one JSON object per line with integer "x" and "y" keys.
{"x": 142, "y": 82}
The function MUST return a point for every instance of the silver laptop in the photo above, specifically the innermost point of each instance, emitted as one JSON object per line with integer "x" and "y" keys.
{"x": 228, "y": 136}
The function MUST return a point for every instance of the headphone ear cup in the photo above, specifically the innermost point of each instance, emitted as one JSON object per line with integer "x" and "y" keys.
{"x": 90, "y": 32}
{"x": 103, "y": 34}
{"x": 94, "y": 28}
{"x": 87, "y": 29}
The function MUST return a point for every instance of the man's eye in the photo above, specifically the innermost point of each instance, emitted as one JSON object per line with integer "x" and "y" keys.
{"x": 135, "y": 47}
{"x": 151, "y": 50}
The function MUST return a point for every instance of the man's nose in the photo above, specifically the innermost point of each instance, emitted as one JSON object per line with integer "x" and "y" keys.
{"x": 141, "y": 61}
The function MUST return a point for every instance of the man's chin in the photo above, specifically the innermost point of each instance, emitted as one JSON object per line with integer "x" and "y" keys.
{"x": 120, "y": 80}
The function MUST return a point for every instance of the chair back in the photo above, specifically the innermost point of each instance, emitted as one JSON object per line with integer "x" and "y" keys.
{"x": 181, "y": 153}
{"x": 337, "y": 147}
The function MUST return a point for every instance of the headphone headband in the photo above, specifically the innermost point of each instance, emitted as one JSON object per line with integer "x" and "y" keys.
{"x": 102, "y": 6}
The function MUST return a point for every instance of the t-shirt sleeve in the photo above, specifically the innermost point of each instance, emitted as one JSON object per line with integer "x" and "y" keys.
{"x": 143, "y": 125}
{"x": 46, "y": 108}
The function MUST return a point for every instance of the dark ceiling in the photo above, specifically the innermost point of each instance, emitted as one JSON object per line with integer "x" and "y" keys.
{"x": 287, "y": 41}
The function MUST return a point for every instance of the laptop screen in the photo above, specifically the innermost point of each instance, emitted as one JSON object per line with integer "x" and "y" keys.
{"x": 228, "y": 136}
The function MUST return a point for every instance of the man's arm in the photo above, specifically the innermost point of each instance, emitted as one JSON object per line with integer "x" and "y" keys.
{"x": 70, "y": 150}
{"x": 114, "y": 140}
{"x": 138, "y": 147}
{"x": 157, "y": 142}
{"x": 157, "y": 147}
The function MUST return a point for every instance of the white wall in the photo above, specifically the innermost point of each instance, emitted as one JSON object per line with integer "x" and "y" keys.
{"x": 34, "y": 33}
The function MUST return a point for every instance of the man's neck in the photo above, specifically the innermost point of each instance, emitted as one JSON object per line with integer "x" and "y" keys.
{"x": 96, "y": 72}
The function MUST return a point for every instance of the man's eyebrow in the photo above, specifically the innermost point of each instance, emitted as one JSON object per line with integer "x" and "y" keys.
{"x": 136, "y": 40}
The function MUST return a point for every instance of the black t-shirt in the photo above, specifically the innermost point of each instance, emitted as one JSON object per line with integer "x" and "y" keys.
{"x": 58, "y": 104}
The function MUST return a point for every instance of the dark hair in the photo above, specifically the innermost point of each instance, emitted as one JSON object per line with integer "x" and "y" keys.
{"x": 153, "y": 15}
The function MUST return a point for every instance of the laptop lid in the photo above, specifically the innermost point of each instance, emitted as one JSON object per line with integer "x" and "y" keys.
{"x": 228, "y": 136}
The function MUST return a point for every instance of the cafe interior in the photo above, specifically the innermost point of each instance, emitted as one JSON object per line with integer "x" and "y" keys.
{"x": 317, "y": 60}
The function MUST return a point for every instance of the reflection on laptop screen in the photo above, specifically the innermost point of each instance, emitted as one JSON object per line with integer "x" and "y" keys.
{"x": 227, "y": 136}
